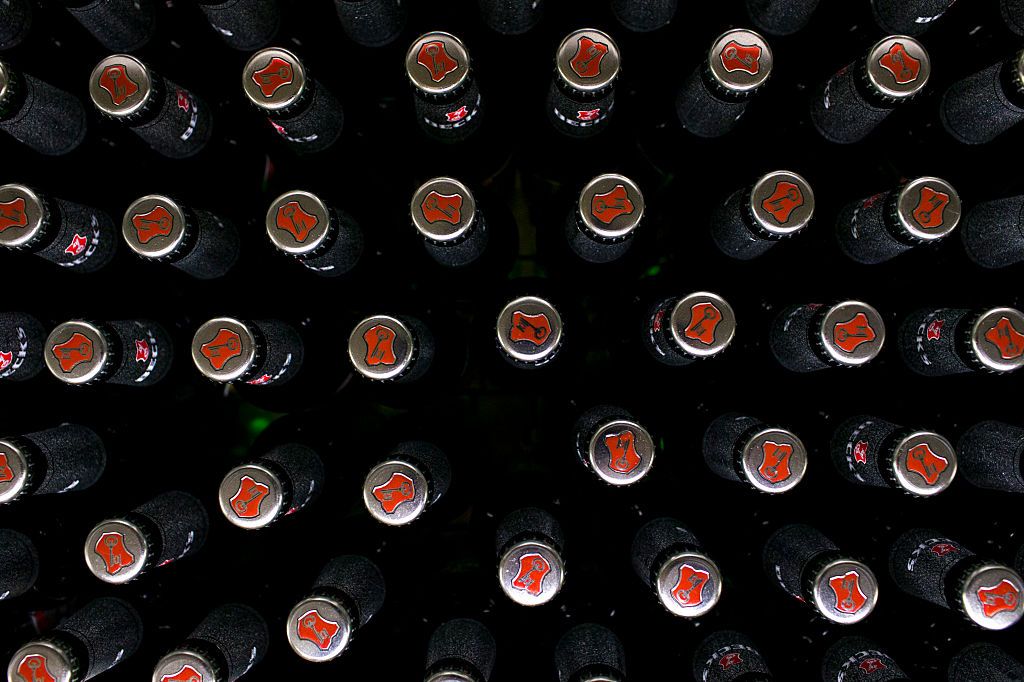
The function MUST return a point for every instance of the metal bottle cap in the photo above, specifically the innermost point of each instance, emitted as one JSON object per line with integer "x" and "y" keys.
{"x": 588, "y": 60}
{"x": 273, "y": 79}
{"x": 120, "y": 85}
{"x": 437, "y": 63}
{"x": 251, "y": 496}
{"x": 76, "y": 352}
{"x": 924, "y": 463}
{"x": 319, "y": 629}
{"x": 381, "y": 347}
{"x": 116, "y": 551}
{"x": 443, "y": 209}
{"x": 852, "y": 333}
{"x": 997, "y": 339}
{"x": 153, "y": 226}
{"x": 183, "y": 665}
{"x": 689, "y": 584}
{"x": 13, "y": 471}
{"x": 774, "y": 460}
{"x": 451, "y": 676}
{"x": 702, "y": 324}
{"x": 39, "y": 661}
{"x": 5, "y": 80}
{"x": 531, "y": 573}
{"x": 611, "y": 206}
{"x": 529, "y": 329}
{"x": 991, "y": 596}
{"x": 223, "y": 349}
{"x": 782, "y": 203}
{"x": 21, "y": 215}
{"x": 928, "y": 208}
{"x": 298, "y": 222}
{"x": 395, "y": 492}
{"x": 740, "y": 60}
{"x": 898, "y": 67}
{"x": 845, "y": 591}
{"x": 621, "y": 452}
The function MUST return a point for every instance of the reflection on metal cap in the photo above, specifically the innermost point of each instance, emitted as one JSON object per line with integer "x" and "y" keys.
{"x": 298, "y": 222}
{"x": 531, "y": 573}
{"x": 588, "y": 60}
{"x": 223, "y": 349}
{"x": 13, "y": 471}
{"x": 443, "y": 209}
{"x": 689, "y": 584}
{"x": 529, "y": 330}
{"x": 702, "y": 324}
{"x": 437, "y": 63}
{"x": 740, "y": 60}
{"x": 395, "y": 492}
{"x": 928, "y": 208}
{"x": 116, "y": 551}
{"x": 845, "y": 591}
{"x": 76, "y": 352}
{"x": 991, "y": 596}
{"x": 621, "y": 452}
{"x": 924, "y": 463}
{"x": 852, "y": 333}
{"x": 120, "y": 85}
{"x": 898, "y": 67}
{"x": 782, "y": 203}
{"x": 611, "y": 206}
{"x": 774, "y": 460}
{"x": 273, "y": 79}
{"x": 381, "y": 347}
{"x": 21, "y": 215}
{"x": 997, "y": 339}
{"x": 42, "y": 661}
{"x": 153, "y": 226}
{"x": 251, "y": 496}
{"x": 318, "y": 629}
{"x": 183, "y": 665}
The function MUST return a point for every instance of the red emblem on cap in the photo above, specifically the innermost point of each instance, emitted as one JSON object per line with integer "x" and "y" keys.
{"x": 531, "y": 328}
{"x": 33, "y": 669}
{"x": 610, "y": 205}
{"x": 871, "y": 665}
{"x": 5, "y": 360}
{"x": 186, "y": 674}
{"x": 588, "y": 115}
{"x": 316, "y": 629}
{"x": 12, "y": 214}
{"x": 435, "y": 58}
{"x": 115, "y": 80}
{"x": 73, "y": 352}
{"x": 900, "y": 64}
{"x": 437, "y": 207}
{"x": 704, "y": 319}
{"x": 589, "y": 55}
{"x": 934, "y": 331}
{"x": 786, "y": 198}
{"x": 274, "y": 76}
{"x": 110, "y": 547}
{"x": 533, "y": 568}
{"x": 398, "y": 489}
{"x": 739, "y": 57}
{"x": 998, "y": 598}
{"x": 1006, "y": 338}
{"x": 141, "y": 350}
{"x": 930, "y": 207}
{"x": 380, "y": 345}
{"x": 860, "y": 452}
{"x": 624, "y": 457}
{"x": 292, "y": 218}
{"x": 6, "y": 473}
{"x": 775, "y": 461}
{"x": 457, "y": 115}
{"x": 251, "y": 493}
{"x": 922, "y": 460}
{"x": 848, "y": 335}
{"x": 225, "y": 345}
{"x": 157, "y": 222}
{"x": 689, "y": 590}
{"x": 77, "y": 245}
{"x": 943, "y": 548}
{"x": 729, "y": 660}
{"x": 849, "y": 597}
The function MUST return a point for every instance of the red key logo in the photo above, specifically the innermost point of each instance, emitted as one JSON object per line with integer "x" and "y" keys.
{"x": 251, "y": 493}
{"x": 934, "y": 330}
{"x": 186, "y": 674}
{"x": 315, "y": 628}
{"x": 274, "y": 76}
{"x": 930, "y": 207}
{"x": 6, "y": 473}
{"x": 689, "y": 589}
{"x": 73, "y": 352}
{"x": 860, "y": 452}
{"x": 588, "y": 115}
{"x": 533, "y": 568}
{"x": 622, "y": 448}
{"x": 380, "y": 345}
{"x": 221, "y": 348}
{"x": 116, "y": 82}
{"x": 142, "y": 351}
{"x": 12, "y": 214}
{"x": 292, "y": 218}
{"x": 589, "y": 55}
{"x": 435, "y": 58}
{"x": 157, "y": 222}
{"x": 33, "y": 669}
{"x": 871, "y": 665}
{"x": 775, "y": 461}
{"x": 398, "y": 489}
{"x": 924, "y": 462}
{"x": 1006, "y": 338}
{"x": 610, "y": 205}
{"x": 533, "y": 329}
{"x": 457, "y": 115}
{"x": 729, "y": 660}
{"x": 704, "y": 319}
{"x": 739, "y": 57}
{"x": 77, "y": 245}
{"x": 849, "y": 597}
{"x": 110, "y": 547}
{"x": 998, "y": 598}
{"x": 848, "y": 335}
{"x": 438, "y": 207}
{"x": 900, "y": 64}
{"x": 786, "y": 198}
{"x": 943, "y": 548}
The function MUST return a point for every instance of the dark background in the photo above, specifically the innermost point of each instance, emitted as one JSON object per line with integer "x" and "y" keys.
{"x": 507, "y": 432}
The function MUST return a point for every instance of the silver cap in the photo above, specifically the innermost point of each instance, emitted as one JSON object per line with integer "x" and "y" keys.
{"x": 21, "y": 215}
{"x": 740, "y": 60}
{"x": 395, "y": 492}
{"x": 183, "y": 665}
{"x": 5, "y": 80}
{"x": 529, "y": 330}
{"x": 437, "y": 63}
{"x": 997, "y": 339}
{"x": 611, "y": 206}
{"x": 924, "y": 463}
{"x": 531, "y": 573}
{"x": 588, "y": 60}
{"x": 251, "y": 496}
{"x": 76, "y": 352}
{"x": 898, "y": 67}
{"x": 39, "y": 662}
{"x": 774, "y": 460}
{"x": 120, "y": 85}
{"x": 443, "y": 209}
{"x": 689, "y": 584}
{"x": 852, "y": 333}
{"x": 153, "y": 226}
{"x": 782, "y": 203}
{"x": 451, "y": 676}
{"x": 381, "y": 347}
{"x": 845, "y": 591}
{"x": 702, "y": 324}
{"x": 116, "y": 551}
{"x": 928, "y": 208}
{"x": 621, "y": 452}
{"x": 991, "y": 596}
{"x": 223, "y": 349}
{"x": 298, "y": 222}
{"x": 13, "y": 471}
{"x": 273, "y": 79}
{"x": 319, "y": 629}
